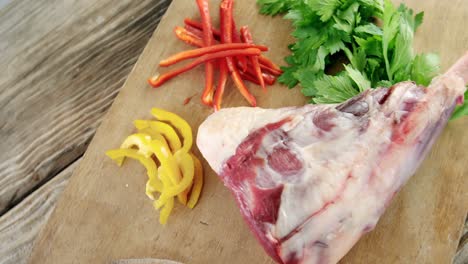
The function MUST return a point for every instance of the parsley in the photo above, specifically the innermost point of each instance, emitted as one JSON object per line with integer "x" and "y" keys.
{"x": 274, "y": 7}
{"x": 377, "y": 54}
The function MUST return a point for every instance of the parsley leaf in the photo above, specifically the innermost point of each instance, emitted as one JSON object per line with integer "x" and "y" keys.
{"x": 332, "y": 89}
{"x": 324, "y": 8}
{"x": 359, "y": 78}
{"x": 425, "y": 68}
{"x": 391, "y": 20}
{"x": 274, "y": 7}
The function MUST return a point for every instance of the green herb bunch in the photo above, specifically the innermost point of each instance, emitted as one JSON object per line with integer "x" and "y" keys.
{"x": 373, "y": 39}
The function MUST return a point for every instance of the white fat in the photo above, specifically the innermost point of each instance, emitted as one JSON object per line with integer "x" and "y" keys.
{"x": 222, "y": 132}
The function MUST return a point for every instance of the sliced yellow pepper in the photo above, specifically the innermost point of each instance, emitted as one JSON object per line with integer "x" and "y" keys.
{"x": 139, "y": 140}
{"x": 179, "y": 173}
{"x": 166, "y": 130}
{"x": 167, "y": 160}
{"x": 151, "y": 187}
{"x": 186, "y": 164}
{"x": 154, "y": 135}
{"x": 166, "y": 211}
{"x": 169, "y": 205}
{"x": 148, "y": 163}
{"x": 180, "y": 124}
{"x": 197, "y": 184}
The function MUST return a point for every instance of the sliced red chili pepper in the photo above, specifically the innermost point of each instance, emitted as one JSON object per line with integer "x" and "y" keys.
{"x": 225, "y": 10}
{"x": 223, "y": 75}
{"x": 242, "y": 88}
{"x": 268, "y": 65}
{"x": 249, "y": 75}
{"x": 226, "y": 37}
{"x": 247, "y": 38}
{"x": 258, "y": 71}
{"x": 208, "y": 40}
{"x": 268, "y": 78}
{"x": 270, "y": 70}
{"x": 196, "y": 24}
{"x": 207, "y": 95}
{"x": 157, "y": 81}
{"x": 207, "y": 28}
{"x": 189, "y": 54}
{"x": 188, "y": 37}
{"x": 237, "y": 39}
{"x": 195, "y": 31}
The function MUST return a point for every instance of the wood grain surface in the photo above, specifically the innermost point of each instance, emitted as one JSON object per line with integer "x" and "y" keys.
{"x": 63, "y": 62}
{"x": 20, "y": 226}
{"x": 104, "y": 214}
{"x": 462, "y": 252}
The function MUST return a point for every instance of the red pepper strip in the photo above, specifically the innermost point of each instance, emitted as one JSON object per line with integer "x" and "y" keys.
{"x": 270, "y": 70}
{"x": 247, "y": 38}
{"x": 157, "y": 81}
{"x": 248, "y": 77}
{"x": 258, "y": 71}
{"x": 223, "y": 75}
{"x": 237, "y": 39}
{"x": 267, "y": 64}
{"x": 225, "y": 11}
{"x": 198, "y": 25}
{"x": 189, "y": 54}
{"x": 196, "y": 41}
{"x": 208, "y": 40}
{"x": 242, "y": 88}
{"x": 207, "y": 95}
{"x": 188, "y": 37}
{"x": 226, "y": 37}
{"x": 195, "y": 31}
{"x": 267, "y": 78}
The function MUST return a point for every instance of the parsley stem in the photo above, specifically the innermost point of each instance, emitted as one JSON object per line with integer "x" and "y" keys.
{"x": 387, "y": 65}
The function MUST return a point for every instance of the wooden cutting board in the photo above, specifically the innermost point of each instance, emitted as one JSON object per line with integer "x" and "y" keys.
{"x": 104, "y": 214}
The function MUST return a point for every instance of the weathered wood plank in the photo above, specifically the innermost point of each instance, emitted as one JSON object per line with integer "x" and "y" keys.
{"x": 20, "y": 226}
{"x": 63, "y": 62}
{"x": 462, "y": 254}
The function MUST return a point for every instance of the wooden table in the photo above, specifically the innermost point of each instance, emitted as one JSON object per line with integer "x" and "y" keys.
{"x": 63, "y": 62}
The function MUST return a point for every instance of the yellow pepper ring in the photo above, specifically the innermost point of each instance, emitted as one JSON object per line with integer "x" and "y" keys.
{"x": 185, "y": 162}
{"x": 167, "y": 160}
{"x": 166, "y": 211}
{"x": 178, "y": 156}
{"x": 148, "y": 163}
{"x": 154, "y": 135}
{"x": 166, "y": 130}
{"x": 180, "y": 124}
{"x": 197, "y": 184}
{"x": 180, "y": 171}
{"x": 138, "y": 140}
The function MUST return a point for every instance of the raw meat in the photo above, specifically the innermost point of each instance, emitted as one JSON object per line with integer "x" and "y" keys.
{"x": 310, "y": 181}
